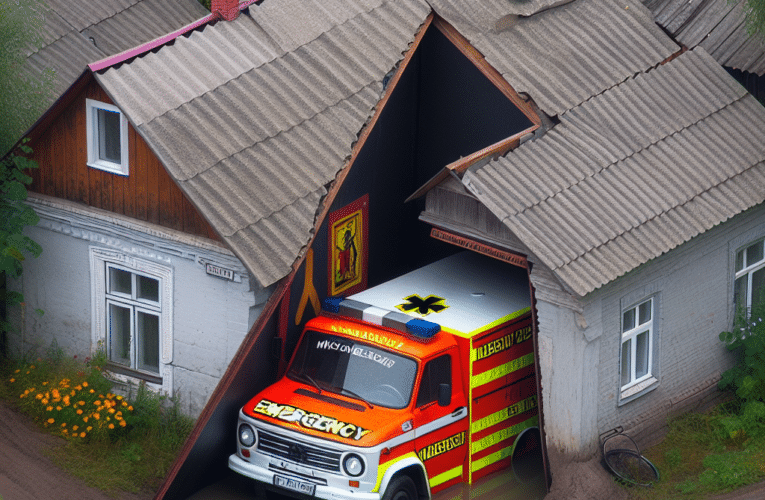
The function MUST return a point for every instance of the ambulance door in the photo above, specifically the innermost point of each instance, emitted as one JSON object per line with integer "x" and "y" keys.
{"x": 440, "y": 427}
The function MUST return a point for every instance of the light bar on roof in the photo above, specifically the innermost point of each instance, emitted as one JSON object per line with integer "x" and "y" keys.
{"x": 417, "y": 328}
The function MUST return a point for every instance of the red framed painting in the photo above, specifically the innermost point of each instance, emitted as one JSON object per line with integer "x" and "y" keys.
{"x": 348, "y": 251}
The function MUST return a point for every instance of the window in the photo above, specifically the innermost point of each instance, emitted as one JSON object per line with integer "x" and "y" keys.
{"x": 133, "y": 316}
{"x": 750, "y": 276}
{"x": 107, "y": 137}
{"x": 435, "y": 373}
{"x": 637, "y": 346}
{"x": 133, "y": 312}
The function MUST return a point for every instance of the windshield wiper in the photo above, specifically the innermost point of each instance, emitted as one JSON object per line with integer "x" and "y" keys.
{"x": 350, "y": 392}
{"x": 307, "y": 377}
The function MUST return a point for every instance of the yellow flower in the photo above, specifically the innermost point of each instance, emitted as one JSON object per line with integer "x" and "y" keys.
{"x": 111, "y": 410}
{"x": 85, "y": 419}
{"x": 78, "y": 387}
{"x": 66, "y": 400}
{"x": 64, "y": 431}
{"x": 44, "y": 401}
{"x": 50, "y": 408}
{"x": 84, "y": 384}
{"x": 96, "y": 416}
{"x": 79, "y": 411}
{"x": 82, "y": 434}
{"x": 17, "y": 371}
{"x": 13, "y": 380}
{"x": 75, "y": 427}
{"x": 39, "y": 396}
{"x": 45, "y": 383}
{"x": 63, "y": 425}
{"x": 122, "y": 423}
{"x": 89, "y": 428}
{"x": 58, "y": 408}
{"x": 130, "y": 408}
{"x": 81, "y": 403}
{"x": 92, "y": 391}
{"x": 51, "y": 420}
{"x": 111, "y": 426}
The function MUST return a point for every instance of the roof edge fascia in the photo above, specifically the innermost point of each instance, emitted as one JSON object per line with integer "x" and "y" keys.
{"x": 142, "y": 49}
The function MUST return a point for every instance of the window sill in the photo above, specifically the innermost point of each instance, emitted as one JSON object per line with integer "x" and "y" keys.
{"x": 638, "y": 389}
{"x": 128, "y": 372}
{"x": 111, "y": 167}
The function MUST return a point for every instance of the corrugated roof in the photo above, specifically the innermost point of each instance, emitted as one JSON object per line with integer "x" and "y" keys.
{"x": 717, "y": 25}
{"x": 114, "y": 25}
{"x": 633, "y": 172}
{"x": 564, "y": 55}
{"x": 254, "y": 117}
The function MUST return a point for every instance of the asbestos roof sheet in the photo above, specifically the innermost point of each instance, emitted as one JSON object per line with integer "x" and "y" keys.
{"x": 717, "y": 25}
{"x": 114, "y": 25}
{"x": 254, "y": 117}
{"x": 563, "y": 55}
{"x": 633, "y": 172}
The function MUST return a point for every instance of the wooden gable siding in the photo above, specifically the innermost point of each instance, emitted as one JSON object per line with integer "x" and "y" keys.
{"x": 147, "y": 193}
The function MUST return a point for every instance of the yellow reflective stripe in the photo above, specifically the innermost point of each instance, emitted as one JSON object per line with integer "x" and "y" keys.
{"x": 489, "y": 326}
{"x": 445, "y": 476}
{"x": 504, "y": 414}
{"x": 490, "y": 459}
{"x": 382, "y": 469}
{"x": 502, "y": 370}
{"x": 503, "y": 434}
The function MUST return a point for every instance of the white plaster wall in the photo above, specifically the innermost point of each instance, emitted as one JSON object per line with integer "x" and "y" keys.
{"x": 211, "y": 315}
{"x": 568, "y": 367}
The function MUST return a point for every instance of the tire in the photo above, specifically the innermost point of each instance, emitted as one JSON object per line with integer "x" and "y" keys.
{"x": 401, "y": 488}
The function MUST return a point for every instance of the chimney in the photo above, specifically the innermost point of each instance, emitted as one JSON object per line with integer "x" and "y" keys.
{"x": 225, "y": 9}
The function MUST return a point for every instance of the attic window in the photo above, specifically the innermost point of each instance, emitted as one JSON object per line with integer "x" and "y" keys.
{"x": 107, "y": 137}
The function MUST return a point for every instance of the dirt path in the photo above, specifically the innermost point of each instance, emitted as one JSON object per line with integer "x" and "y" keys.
{"x": 27, "y": 474}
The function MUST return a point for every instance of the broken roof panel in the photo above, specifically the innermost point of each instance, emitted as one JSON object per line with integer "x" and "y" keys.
{"x": 650, "y": 176}
{"x": 563, "y": 55}
{"x": 258, "y": 142}
{"x": 717, "y": 25}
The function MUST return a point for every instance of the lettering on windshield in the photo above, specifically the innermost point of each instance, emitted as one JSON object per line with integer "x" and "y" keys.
{"x": 373, "y": 337}
{"x": 356, "y": 351}
{"x": 309, "y": 420}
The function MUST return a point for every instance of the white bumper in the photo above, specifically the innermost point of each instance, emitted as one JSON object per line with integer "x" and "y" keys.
{"x": 241, "y": 466}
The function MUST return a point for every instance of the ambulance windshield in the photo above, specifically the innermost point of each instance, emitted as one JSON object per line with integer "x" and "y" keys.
{"x": 355, "y": 369}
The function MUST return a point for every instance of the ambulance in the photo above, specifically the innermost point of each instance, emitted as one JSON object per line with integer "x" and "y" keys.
{"x": 402, "y": 390}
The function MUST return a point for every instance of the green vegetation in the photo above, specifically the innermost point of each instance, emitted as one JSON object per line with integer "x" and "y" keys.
{"x": 755, "y": 18}
{"x": 23, "y": 95}
{"x": 112, "y": 442}
{"x": 722, "y": 450}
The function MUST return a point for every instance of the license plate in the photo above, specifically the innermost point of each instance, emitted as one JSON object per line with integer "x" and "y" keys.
{"x": 294, "y": 485}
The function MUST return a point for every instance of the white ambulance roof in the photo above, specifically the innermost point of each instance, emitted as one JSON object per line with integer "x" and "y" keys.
{"x": 478, "y": 293}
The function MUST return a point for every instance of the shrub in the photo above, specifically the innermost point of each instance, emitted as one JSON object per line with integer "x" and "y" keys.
{"x": 747, "y": 341}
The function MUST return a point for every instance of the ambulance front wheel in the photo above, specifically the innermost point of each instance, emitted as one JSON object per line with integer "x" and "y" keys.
{"x": 401, "y": 488}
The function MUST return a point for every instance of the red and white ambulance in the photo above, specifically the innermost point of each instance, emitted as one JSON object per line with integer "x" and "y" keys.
{"x": 401, "y": 390}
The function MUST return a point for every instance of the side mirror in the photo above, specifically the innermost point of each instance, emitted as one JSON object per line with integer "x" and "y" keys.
{"x": 444, "y": 394}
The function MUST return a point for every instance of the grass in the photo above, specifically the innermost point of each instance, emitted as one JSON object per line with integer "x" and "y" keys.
{"x": 112, "y": 442}
{"x": 707, "y": 454}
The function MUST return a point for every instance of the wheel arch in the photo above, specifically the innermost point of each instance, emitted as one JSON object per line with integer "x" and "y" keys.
{"x": 414, "y": 468}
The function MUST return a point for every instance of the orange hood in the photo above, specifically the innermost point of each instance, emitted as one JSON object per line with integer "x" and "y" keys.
{"x": 301, "y": 408}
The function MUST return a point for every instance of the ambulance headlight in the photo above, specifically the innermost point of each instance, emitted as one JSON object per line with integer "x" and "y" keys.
{"x": 246, "y": 435}
{"x": 353, "y": 465}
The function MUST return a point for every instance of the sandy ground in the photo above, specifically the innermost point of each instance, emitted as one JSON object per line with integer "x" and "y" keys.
{"x": 26, "y": 473}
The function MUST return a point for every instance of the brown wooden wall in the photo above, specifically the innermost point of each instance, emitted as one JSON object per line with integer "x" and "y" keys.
{"x": 147, "y": 193}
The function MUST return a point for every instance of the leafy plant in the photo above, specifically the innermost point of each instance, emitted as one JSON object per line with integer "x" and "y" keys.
{"x": 747, "y": 341}
{"x": 15, "y": 215}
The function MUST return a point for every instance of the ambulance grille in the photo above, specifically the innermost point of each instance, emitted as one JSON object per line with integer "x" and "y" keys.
{"x": 300, "y": 452}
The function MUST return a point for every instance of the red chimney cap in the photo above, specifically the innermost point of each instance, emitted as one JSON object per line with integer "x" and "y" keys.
{"x": 227, "y": 10}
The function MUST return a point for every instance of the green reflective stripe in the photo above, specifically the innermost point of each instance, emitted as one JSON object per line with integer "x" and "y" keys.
{"x": 445, "y": 476}
{"x": 503, "y": 434}
{"x": 504, "y": 414}
{"x": 502, "y": 370}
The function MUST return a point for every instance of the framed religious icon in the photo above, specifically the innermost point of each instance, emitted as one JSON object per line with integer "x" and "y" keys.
{"x": 348, "y": 241}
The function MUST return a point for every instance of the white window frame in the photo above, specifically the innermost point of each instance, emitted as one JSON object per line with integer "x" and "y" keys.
{"x": 747, "y": 271}
{"x": 91, "y": 119}
{"x": 135, "y": 305}
{"x": 101, "y": 260}
{"x": 637, "y": 384}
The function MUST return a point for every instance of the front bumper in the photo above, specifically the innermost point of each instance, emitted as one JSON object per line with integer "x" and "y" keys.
{"x": 241, "y": 466}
